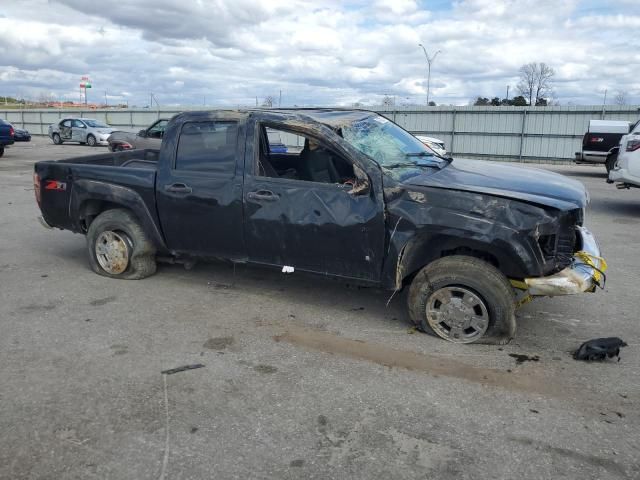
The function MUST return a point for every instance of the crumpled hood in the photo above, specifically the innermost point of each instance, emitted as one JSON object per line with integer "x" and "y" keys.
{"x": 528, "y": 184}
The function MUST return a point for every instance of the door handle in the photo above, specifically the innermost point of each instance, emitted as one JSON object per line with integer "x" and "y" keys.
{"x": 265, "y": 195}
{"x": 178, "y": 188}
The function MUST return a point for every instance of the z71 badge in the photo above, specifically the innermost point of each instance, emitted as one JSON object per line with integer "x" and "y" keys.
{"x": 55, "y": 185}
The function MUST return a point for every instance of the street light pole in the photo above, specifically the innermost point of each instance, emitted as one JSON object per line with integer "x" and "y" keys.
{"x": 429, "y": 60}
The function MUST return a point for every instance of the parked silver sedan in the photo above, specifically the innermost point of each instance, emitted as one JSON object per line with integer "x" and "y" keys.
{"x": 81, "y": 130}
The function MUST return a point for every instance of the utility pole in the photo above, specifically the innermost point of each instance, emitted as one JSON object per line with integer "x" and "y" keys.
{"x": 507, "y": 93}
{"x": 106, "y": 103}
{"x": 429, "y": 61}
{"x": 280, "y": 99}
{"x": 604, "y": 102}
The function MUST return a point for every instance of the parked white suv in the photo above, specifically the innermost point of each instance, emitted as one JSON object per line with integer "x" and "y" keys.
{"x": 626, "y": 171}
{"x": 434, "y": 144}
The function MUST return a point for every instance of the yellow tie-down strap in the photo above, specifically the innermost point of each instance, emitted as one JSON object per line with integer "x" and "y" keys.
{"x": 598, "y": 271}
{"x": 525, "y": 297}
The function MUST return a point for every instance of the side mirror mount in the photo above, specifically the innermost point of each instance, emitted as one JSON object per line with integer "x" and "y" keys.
{"x": 363, "y": 184}
{"x": 142, "y": 133}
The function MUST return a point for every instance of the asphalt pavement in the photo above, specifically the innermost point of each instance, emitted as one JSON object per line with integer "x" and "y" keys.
{"x": 302, "y": 377}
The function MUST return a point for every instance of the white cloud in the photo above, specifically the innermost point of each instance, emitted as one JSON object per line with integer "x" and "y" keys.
{"x": 325, "y": 52}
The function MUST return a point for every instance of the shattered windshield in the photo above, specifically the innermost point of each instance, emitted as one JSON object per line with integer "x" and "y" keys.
{"x": 389, "y": 145}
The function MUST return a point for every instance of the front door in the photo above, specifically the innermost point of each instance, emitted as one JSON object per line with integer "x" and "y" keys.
{"x": 78, "y": 131}
{"x": 199, "y": 194}
{"x": 310, "y": 223}
{"x": 65, "y": 130}
{"x": 154, "y": 136}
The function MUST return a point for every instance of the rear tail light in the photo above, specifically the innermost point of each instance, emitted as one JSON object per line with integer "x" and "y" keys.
{"x": 36, "y": 186}
{"x": 633, "y": 145}
{"x": 12, "y": 132}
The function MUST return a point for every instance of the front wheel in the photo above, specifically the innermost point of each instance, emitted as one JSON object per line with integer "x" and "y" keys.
{"x": 56, "y": 139}
{"x": 91, "y": 140}
{"x": 118, "y": 247}
{"x": 463, "y": 300}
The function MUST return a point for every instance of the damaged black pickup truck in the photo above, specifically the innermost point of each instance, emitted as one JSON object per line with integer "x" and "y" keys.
{"x": 353, "y": 196}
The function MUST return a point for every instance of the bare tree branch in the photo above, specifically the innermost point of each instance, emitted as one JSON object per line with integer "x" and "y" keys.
{"x": 621, "y": 98}
{"x": 535, "y": 82}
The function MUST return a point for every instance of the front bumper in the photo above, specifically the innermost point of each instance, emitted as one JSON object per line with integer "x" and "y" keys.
{"x": 583, "y": 275}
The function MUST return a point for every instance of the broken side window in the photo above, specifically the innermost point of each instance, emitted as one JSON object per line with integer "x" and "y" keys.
{"x": 293, "y": 155}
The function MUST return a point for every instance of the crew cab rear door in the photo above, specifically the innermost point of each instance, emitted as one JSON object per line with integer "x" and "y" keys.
{"x": 199, "y": 187}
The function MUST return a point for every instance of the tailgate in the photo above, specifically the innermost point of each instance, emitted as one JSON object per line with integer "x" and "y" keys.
{"x": 52, "y": 184}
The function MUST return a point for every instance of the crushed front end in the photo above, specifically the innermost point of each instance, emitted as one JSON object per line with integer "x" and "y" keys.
{"x": 572, "y": 259}
{"x": 584, "y": 273}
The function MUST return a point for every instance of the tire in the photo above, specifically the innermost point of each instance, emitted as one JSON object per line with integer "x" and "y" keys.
{"x": 611, "y": 161}
{"x": 56, "y": 139}
{"x": 128, "y": 252}
{"x": 463, "y": 300}
{"x": 1, "y": 150}
{"x": 91, "y": 140}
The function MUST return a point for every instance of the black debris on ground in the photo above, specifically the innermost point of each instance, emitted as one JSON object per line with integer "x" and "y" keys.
{"x": 521, "y": 358}
{"x": 600, "y": 349}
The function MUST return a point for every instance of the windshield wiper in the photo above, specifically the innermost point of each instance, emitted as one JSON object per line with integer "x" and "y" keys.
{"x": 420, "y": 154}
{"x": 432, "y": 163}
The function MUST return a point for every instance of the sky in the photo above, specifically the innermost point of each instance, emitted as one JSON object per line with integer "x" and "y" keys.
{"x": 326, "y": 52}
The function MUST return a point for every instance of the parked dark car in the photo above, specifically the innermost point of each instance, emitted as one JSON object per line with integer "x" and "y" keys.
{"x": 148, "y": 138}
{"x": 6, "y": 135}
{"x": 21, "y": 135}
{"x": 364, "y": 200}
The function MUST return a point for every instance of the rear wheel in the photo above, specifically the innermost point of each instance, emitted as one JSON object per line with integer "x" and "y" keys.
{"x": 611, "y": 161}
{"x": 56, "y": 139}
{"x": 463, "y": 300}
{"x": 118, "y": 246}
{"x": 91, "y": 140}
{"x": 1, "y": 150}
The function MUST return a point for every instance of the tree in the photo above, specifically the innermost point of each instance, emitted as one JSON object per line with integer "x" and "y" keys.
{"x": 519, "y": 101}
{"x": 432, "y": 103}
{"x": 541, "y": 102}
{"x": 535, "y": 81}
{"x": 388, "y": 101}
{"x": 268, "y": 101}
{"x": 495, "y": 101}
{"x": 621, "y": 98}
{"x": 481, "y": 102}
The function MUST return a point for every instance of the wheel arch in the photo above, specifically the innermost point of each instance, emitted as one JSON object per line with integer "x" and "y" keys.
{"x": 89, "y": 198}
{"x": 420, "y": 252}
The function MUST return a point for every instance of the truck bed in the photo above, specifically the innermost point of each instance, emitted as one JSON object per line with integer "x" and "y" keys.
{"x": 66, "y": 185}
